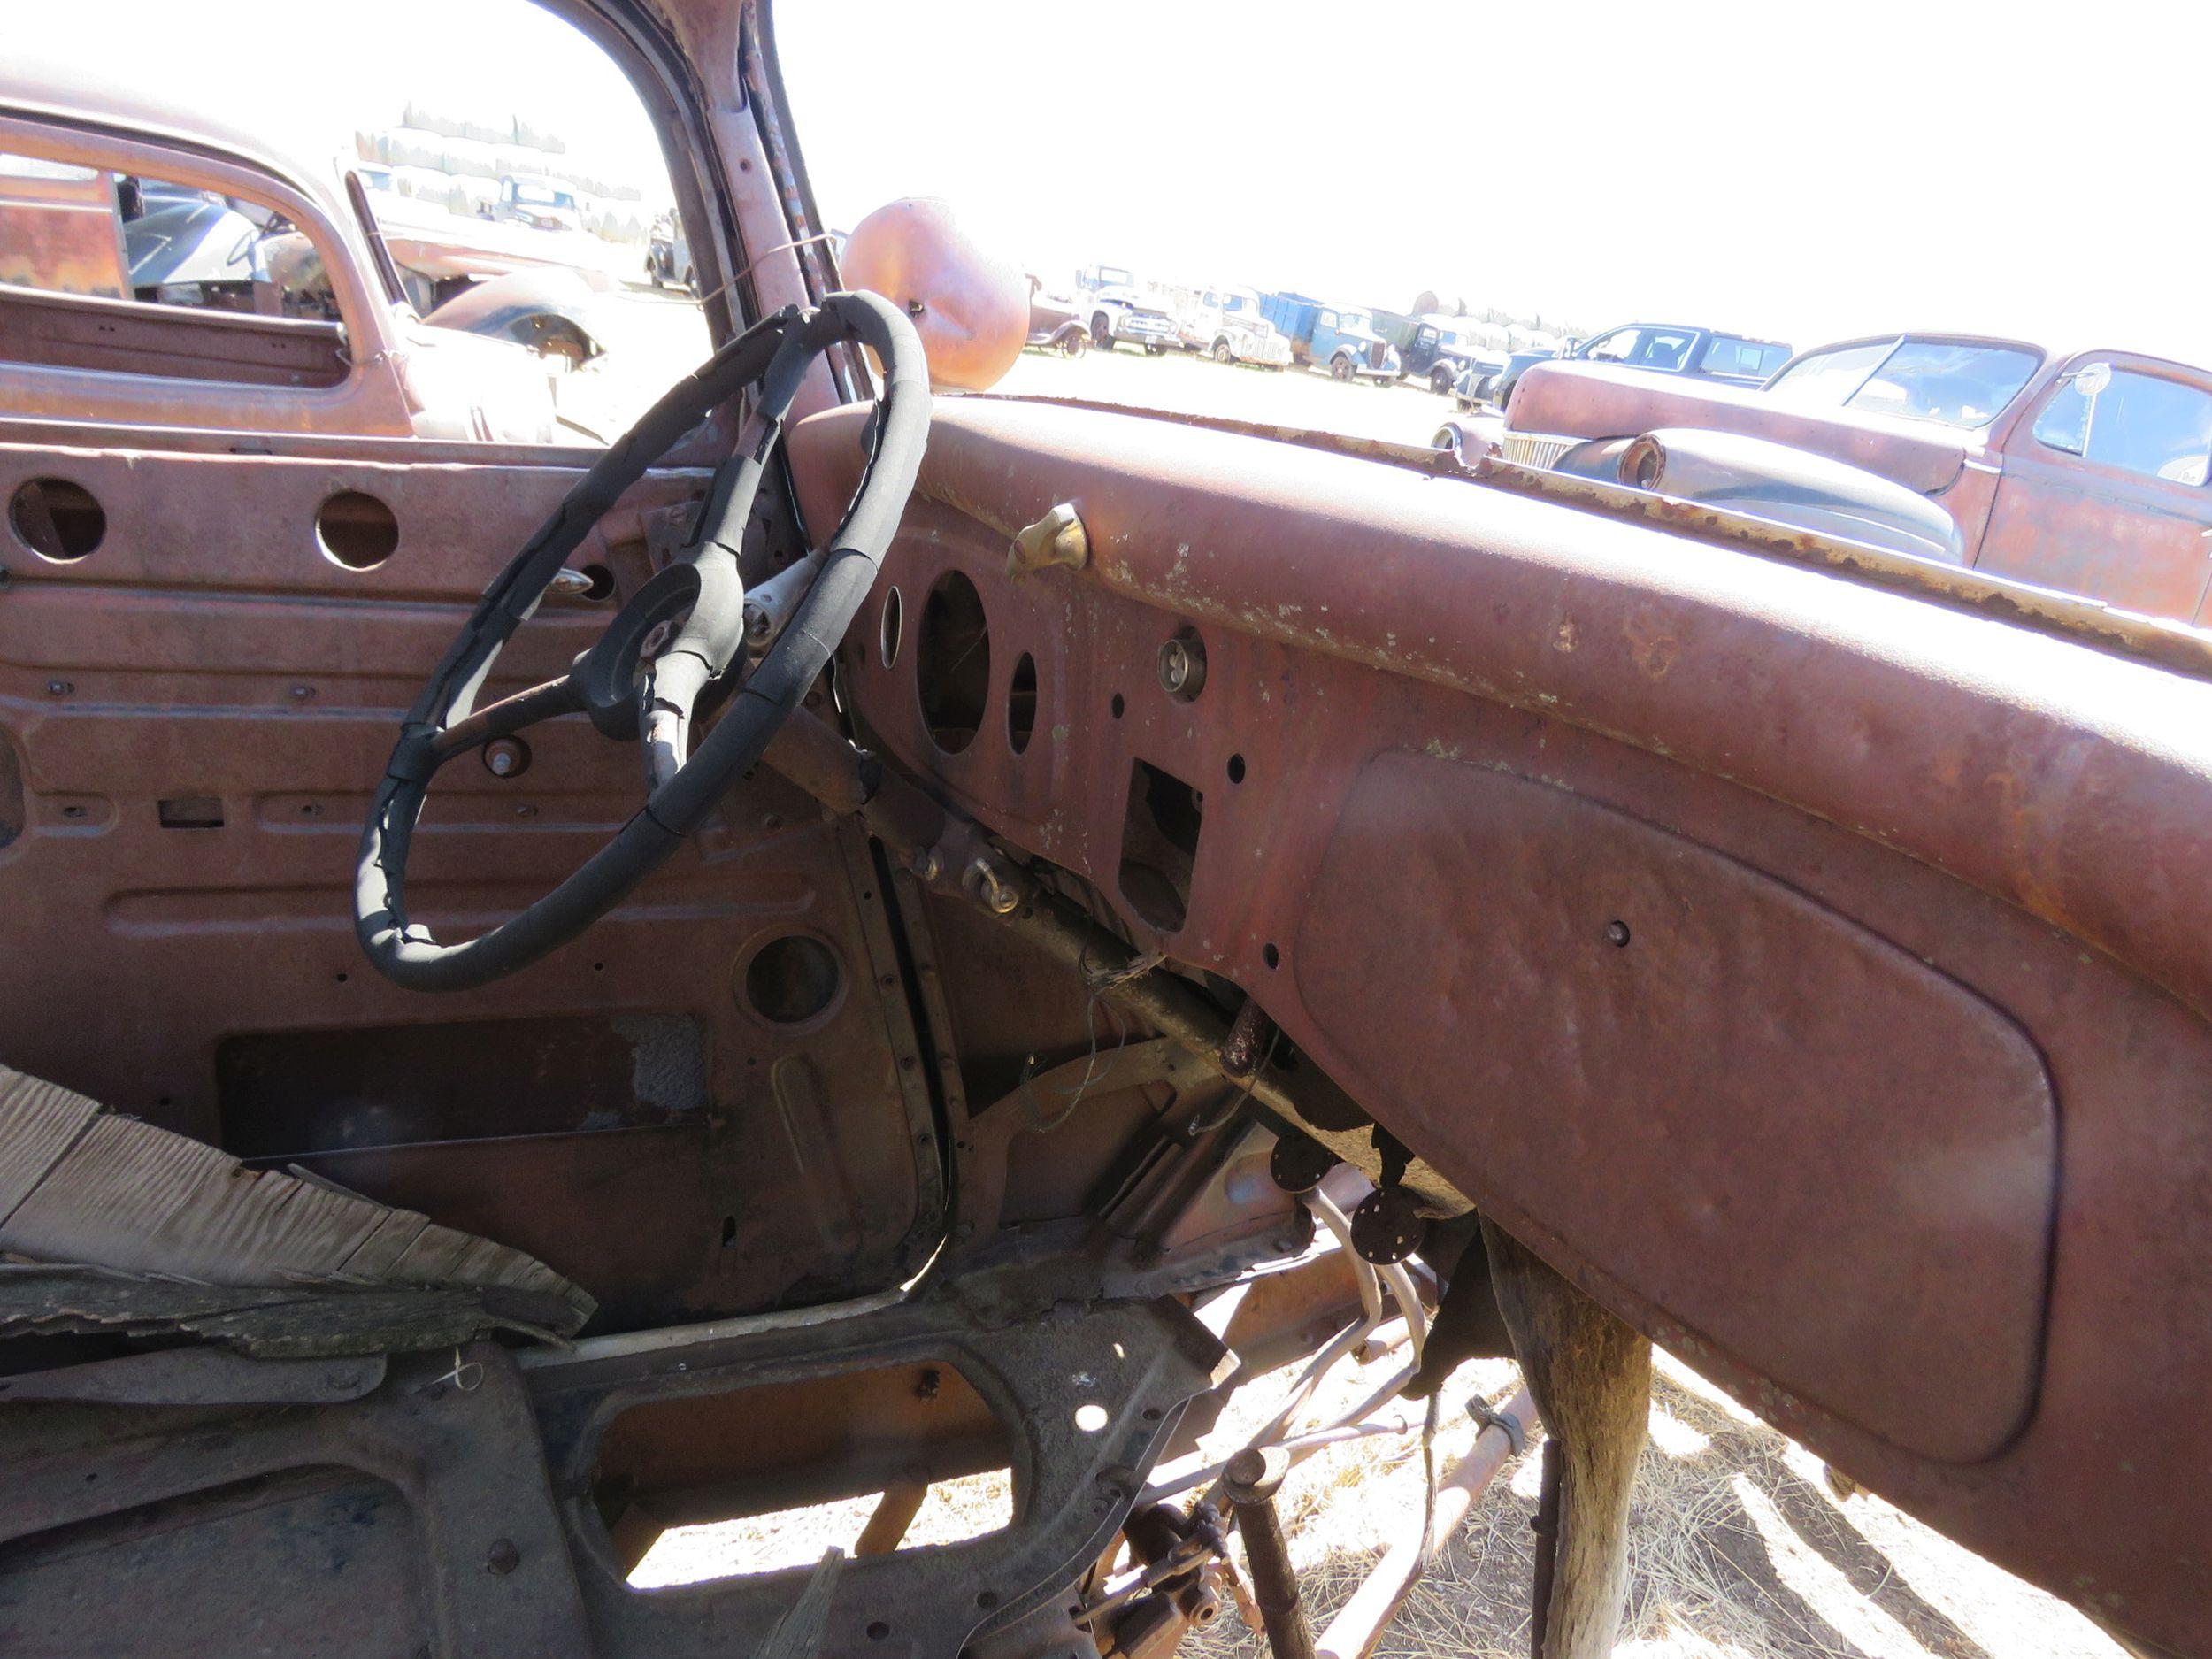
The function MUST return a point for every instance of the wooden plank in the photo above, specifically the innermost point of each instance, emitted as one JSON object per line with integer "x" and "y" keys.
{"x": 39, "y": 1122}
{"x": 81, "y": 1185}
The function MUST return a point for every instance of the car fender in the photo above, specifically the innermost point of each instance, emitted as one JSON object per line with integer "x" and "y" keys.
{"x": 550, "y": 310}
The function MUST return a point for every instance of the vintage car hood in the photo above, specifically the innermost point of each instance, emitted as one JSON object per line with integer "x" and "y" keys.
{"x": 1585, "y": 400}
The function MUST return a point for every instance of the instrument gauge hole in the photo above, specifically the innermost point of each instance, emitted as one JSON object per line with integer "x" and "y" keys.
{"x": 791, "y": 980}
{"x": 952, "y": 663}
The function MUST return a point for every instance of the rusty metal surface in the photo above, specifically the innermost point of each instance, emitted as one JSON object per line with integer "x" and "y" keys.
{"x": 66, "y": 332}
{"x": 415, "y": 1520}
{"x": 1996, "y": 592}
{"x": 199, "y": 1377}
{"x": 1570, "y": 1035}
{"x": 370, "y": 399}
{"x": 2021, "y": 814}
{"x": 211, "y": 649}
{"x": 1030, "y": 1356}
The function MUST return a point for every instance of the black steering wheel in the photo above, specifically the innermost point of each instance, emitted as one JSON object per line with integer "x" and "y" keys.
{"x": 626, "y": 695}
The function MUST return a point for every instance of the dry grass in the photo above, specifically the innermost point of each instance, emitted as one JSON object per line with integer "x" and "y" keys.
{"x": 1738, "y": 1548}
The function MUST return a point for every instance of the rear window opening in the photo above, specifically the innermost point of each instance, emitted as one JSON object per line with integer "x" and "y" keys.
{"x": 764, "y": 1479}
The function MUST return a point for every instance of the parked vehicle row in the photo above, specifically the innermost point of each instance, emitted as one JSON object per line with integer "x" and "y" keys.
{"x": 2084, "y": 471}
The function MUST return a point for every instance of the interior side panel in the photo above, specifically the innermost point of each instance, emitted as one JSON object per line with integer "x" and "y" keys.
{"x": 682, "y": 1111}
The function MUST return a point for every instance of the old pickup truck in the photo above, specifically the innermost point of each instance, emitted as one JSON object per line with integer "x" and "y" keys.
{"x": 985, "y": 928}
{"x": 2084, "y": 471}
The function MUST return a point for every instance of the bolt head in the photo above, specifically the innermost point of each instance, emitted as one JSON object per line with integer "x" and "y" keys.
{"x": 58, "y": 688}
{"x": 506, "y": 757}
{"x": 1174, "y": 667}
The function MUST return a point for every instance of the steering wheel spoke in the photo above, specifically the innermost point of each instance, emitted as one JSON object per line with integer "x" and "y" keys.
{"x": 508, "y": 716}
{"x": 631, "y": 685}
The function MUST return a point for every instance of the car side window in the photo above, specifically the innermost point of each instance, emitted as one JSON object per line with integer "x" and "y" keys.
{"x": 1617, "y": 346}
{"x": 506, "y": 243}
{"x": 102, "y": 234}
{"x": 1327, "y": 320}
{"x": 1664, "y": 351}
{"x": 2140, "y": 423}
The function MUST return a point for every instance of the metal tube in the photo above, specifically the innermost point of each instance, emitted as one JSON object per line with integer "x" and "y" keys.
{"x": 1359, "y": 1623}
{"x": 1252, "y": 1480}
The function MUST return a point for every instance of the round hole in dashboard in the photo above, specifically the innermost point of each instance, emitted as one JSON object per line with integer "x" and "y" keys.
{"x": 1021, "y": 703}
{"x": 792, "y": 979}
{"x": 887, "y": 637}
{"x": 355, "y": 530}
{"x": 952, "y": 663}
{"x": 57, "y": 519}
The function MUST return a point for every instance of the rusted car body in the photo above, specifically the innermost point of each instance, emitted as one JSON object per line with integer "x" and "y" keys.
{"x": 78, "y": 347}
{"x": 2128, "y": 528}
{"x": 1805, "y": 950}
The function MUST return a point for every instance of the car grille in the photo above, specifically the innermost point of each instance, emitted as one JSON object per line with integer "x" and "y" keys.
{"x": 1540, "y": 450}
{"x": 1377, "y": 356}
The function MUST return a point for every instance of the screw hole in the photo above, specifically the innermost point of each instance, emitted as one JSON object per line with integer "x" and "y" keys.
{"x": 729, "y": 1231}
{"x": 986, "y": 1599}
{"x": 1236, "y": 769}
{"x": 1117, "y": 705}
{"x": 878, "y": 1630}
{"x": 1271, "y": 956}
{"x": 342, "y": 978}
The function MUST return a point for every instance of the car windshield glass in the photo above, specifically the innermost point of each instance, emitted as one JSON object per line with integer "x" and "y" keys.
{"x": 1354, "y": 322}
{"x": 1952, "y": 381}
{"x": 1750, "y": 359}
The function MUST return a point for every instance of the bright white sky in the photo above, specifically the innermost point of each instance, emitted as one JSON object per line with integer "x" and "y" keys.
{"x": 1800, "y": 171}
{"x": 1803, "y": 171}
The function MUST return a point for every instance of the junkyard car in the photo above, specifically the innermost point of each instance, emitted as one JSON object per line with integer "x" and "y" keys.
{"x": 140, "y": 282}
{"x": 953, "y": 937}
{"x": 2082, "y": 471}
{"x": 668, "y": 253}
{"x": 1495, "y": 385}
{"x": 1055, "y": 323}
{"x": 1225, "y": 324}
{"x": 1118, "y": 309}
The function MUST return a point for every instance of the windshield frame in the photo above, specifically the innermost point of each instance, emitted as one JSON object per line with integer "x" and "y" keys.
{"x": 1897, "y": 342}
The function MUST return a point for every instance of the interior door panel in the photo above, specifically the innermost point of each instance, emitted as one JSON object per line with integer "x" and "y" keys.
{"x": 700, "y": 1108}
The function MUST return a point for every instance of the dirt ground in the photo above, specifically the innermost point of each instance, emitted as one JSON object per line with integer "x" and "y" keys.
{"x": 1189, "y": 384}
{"x": 652, "y": 338}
